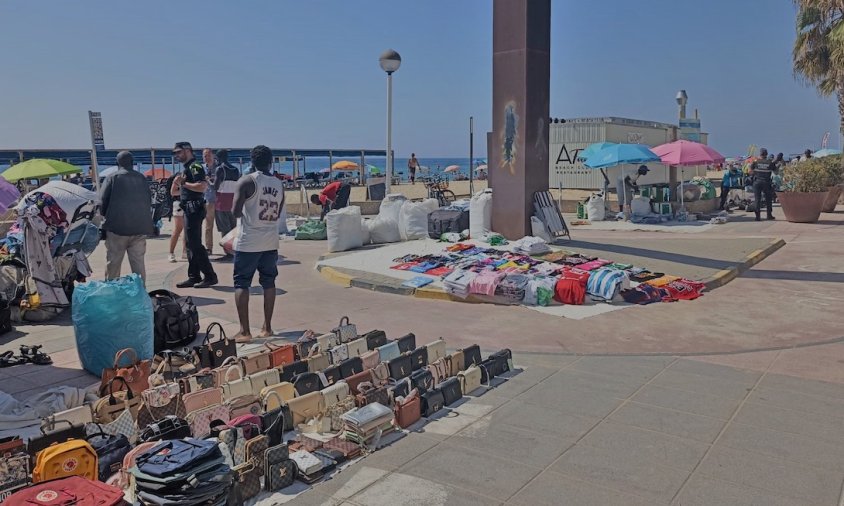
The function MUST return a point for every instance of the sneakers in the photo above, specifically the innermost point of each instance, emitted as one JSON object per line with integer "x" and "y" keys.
{"x": 172, "y": 258}
{"x": 189, "y": 283}
{"x": 771, "y": 217}
{"x": 207, "y": 282}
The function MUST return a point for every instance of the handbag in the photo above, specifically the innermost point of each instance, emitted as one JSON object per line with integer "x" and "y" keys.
{"x": 334, "y": 394}
{"x": 106, "y": 409}
{"x": 451, "y": 391}
{"x": 79, "y": 415}
{"x": 436, "y": 350}
{"x": 251, "y": 425}
{"x": 244, "y": 405}
{"x": 471, "y": 356}
{"x": 422, "y": 380}
{"x": 14, "y": 465}
{"x": 348, "y": 449}
{"x": 375, "y": 339}
{"x": 419, "y": 358}
{"x": 170, "y": 427}
{"x": 160, "y": 392}
{"x": 219, "y": 373}
{"x": 261, "y": 380}
{"x": 370, "y": 359}
{"x": 495, "y": 365}
{"x": 470, "y": 379}
{"x": 135, "y": 375}
{"x": 381, "y": 374}
{"x": 248, "y": 480}
{"x": 388, "y": 352}
{"x": 369, "y": 394}
{"x": 281, "y": 354}
{"x": 357, "y": 379}
{"x": 276, "y": 395}
{"x": 306, "y": 383}
{"x": 408, "y": 410}
{"x": 439, "y": 370}
{"x": 256, "y": 362}
{"x": 275, "y": 421}
{"x": 110, "y": 452}
{"x": 455, "y": 362}
{"x": 345, "y": 331}
{"x": 291, "y": 370}
{"x": 212, "y": 354}
{"x": 330, "y": 375}
{"x": 123, "y": 425}
{"x": 237, "y": 387}
{"x": 255, "y": 449}
{"x": 306, "y": 462}
{"x": 407, "y": 343}
{"x": 338, "y": 353}
{"x": 325, "y": 342}
{"x": 401, "y": 367}
{"x": 399, "y": 389}
{"x": 305, "y": 343}
{"x": 350, "y": 367}
{"x": 305, "y": 407}
{"x": 280, "y": 474}
{"x": 200, "y": 420}
{"x": 172, "y": 365}
{"x": 335, "y": 412}
{"x": 202, "y": 399}
{"x": 356, "y": 347}
{"x": 432, "y": 401}
{"x": 318, "y": 362}
{"x": 236, "y": 442}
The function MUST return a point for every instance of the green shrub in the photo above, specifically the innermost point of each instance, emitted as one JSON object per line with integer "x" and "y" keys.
{"x": 813, "y": 175}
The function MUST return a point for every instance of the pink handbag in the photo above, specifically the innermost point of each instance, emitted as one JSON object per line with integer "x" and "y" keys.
{"x": 200, "y": 420}
{"x": 370, "y": 359}
{"x": 202, "y": 399}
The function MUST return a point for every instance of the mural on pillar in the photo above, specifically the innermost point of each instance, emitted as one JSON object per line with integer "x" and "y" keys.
{"x": 510, "y": 137}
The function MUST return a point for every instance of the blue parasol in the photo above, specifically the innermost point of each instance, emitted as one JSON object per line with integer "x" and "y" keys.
{"x": 620, "y": 154}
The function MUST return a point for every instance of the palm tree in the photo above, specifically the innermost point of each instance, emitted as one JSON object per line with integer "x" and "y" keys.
{"x": 819, "y": 48}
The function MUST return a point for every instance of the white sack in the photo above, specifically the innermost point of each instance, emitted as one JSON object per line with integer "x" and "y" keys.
{"x": 413, "y": 219}
{"x": 480, "y": 213}
{"x": 343, "y": 228}
{"x": 383, "y": 230}
{"x": 391, "y": 206}
{"x": 365, "y": 236}
{"x": 538, "y": 229}
{"x": 641, "y": 206}
{"x": 596, "y": 207}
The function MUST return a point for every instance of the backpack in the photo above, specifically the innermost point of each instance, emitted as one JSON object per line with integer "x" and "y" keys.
{"x": 176, "y": 320}
{"x": 71, "y": 458}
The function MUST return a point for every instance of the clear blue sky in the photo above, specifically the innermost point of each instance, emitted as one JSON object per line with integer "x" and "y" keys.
{"x": 305, "y": 73}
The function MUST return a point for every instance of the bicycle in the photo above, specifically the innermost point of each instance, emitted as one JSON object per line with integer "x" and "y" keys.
{"x": 438, "y": 189}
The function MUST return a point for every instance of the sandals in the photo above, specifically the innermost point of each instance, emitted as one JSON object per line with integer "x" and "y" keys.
{"x": 28, "y": 355}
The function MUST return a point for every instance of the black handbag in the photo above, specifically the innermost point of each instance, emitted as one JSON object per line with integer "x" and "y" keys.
{"x": 279, "y": 471}
{"x": 306, "y": 383}
{"x": 400, "y": 367}
{"x": 169, "y": 427}
{"x": 375, "y": 339}
{"x": 497, "y": 364}
{"x": 175, "y": 320}
{"x": 276, "y": 423}
{"x": 504, "y": 359}
{"x": 422, "y": 380}
{"x": 471, "y": 356}
{"x": 399, "y": 389}
{"x": 419, "y": 357}
{"x": 451, "y": 391}
{"x": 62, "y": 431}
{"x": 407, "y": 343}
{"x": 350, "y": 367}
{"x": 290, "y": 371}
{"x": 432, "y": 401}
{"x": 110, "y": 452}
{"x": 212, "y": 353}
{"x": 332, "y": 375}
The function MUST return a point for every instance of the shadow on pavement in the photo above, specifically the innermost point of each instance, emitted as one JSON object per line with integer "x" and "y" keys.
{"x": 624, "y": 249}
{"x": 255, "y": 290}
{"x": 824, "y": 277}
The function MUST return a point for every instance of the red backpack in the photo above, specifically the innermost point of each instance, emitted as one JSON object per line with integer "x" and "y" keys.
{"x": 73, "y": 490}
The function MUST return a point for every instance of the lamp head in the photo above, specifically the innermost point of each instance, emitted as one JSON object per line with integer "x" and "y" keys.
{"x": 390, "y": 61}
{"x": 682, "y": 98}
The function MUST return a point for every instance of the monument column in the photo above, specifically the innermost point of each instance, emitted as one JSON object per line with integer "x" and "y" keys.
{"x": 518, "y": 146}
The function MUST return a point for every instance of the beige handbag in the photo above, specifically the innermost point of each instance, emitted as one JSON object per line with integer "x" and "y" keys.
{"x": 335, "y": 394}
{"x": 238, "y": 387}
{"x": 219, "y": 373}
{"x": 256, "y": 362}
{"x": 106, "y": 409}
{"x": 327, "y": 341}
{"x": 439, "y": 370}
{"x": 318, "y": 362}
{"x": 370, "y": 358}
{"x": 195, "y": 401}
{"x": 306, "y": 407}
{"x": 357, "y": 347}
{"x": 261, "y": 380}
{"x": 273, "y": 396}
{"x": 470, "y": 379}
{"x": 455, "y": 363}
{"x": 436, "y": 350}
{"x": 381, "y": 374}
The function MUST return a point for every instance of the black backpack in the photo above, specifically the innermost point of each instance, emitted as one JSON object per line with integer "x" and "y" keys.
{"x": 176, "y": 320}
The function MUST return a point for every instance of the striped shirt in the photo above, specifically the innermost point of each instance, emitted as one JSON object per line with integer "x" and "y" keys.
{"x": 605, "y": 283}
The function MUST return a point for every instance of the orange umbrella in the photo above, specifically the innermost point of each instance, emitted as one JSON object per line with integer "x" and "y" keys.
{"x": 344, "y": 165}
{"x": 158, "y": 173}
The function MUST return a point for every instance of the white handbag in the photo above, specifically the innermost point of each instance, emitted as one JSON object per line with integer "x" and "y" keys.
{"x": 327, "y": 341}
{"x": 436, "y": 350}
{"x": 470, "y": 379}
{"x": 261, "y": 380}
{"x": 338, "y": 353}
{"x": 306, "y": 462}
{"x": 335, "y": 394}
{"x": 232, "y": 389}
{"x": 357, "y": 347}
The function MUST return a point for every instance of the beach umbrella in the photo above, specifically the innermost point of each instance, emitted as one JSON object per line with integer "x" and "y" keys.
{"x": 592, "y": 149}
{"x": 39, "y": 168}
{"x": 373, "y": 169}
{"x": 452, "y": 168}
{"x": 826, "y": 152}
{"x": 685, "y": 152}
{"x": 68, "y": 196}
{"x": 157, "y": 173}
{"x": 480, "y": 168}
{"x": 108, "y": 171}
{"x": 8, "y": 195}
{"x": 344, "y": 165}
{"x": 620, "y": 154}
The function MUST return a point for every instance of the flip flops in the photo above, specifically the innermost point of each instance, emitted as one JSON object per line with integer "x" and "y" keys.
{"x": 28, "y": 355}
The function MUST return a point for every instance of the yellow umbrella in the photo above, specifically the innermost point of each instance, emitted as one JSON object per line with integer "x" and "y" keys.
{"x": 39, "y": 168}
{"x": 344, "y": 165}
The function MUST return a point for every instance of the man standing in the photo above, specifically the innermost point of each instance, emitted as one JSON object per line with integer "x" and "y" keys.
{"x": 258, "y": 202}
{"x": 210, "y": 198}
{"x": 127, "y": 208}
{"x": 412, "y": 165}
{"x": 627, "y": 186}
{"x": 193, "y": 184}
{"x": 762, "y": 171}
{"x": 333, "y": 196}
{"x": 225, "y": 184}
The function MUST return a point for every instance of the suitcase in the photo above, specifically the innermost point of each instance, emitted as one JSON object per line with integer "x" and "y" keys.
{"x": 442, "y": 221}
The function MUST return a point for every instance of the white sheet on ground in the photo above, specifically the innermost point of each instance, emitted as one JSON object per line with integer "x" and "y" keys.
{"x": 23, "y": 418}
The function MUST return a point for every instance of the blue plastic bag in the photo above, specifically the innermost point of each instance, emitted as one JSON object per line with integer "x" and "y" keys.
{"x": 109, "y": 316}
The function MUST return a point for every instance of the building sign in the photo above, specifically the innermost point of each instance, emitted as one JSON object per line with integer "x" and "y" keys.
{"x": 97, "y": 139}
{"x": 690, "y": 129}
{"x": 635, "y": 137}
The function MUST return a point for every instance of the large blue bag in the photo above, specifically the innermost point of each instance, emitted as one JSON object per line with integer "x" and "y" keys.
{"x": 109, "y": 316}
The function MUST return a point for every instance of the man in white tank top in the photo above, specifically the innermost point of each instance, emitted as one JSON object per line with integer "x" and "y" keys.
{"x": 258, "y": 202}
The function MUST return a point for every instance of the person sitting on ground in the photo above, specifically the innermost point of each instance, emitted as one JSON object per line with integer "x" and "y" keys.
{"x": 333, "y": 196}
{"x": 731, "y": 181}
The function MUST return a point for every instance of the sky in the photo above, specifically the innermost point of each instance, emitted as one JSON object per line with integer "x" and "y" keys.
{"x": 305, "y": 74}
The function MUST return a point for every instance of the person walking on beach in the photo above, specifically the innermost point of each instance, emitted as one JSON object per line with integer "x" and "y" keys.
{"x": 333, "y": 196}
{"x": 225, "y": 185}
{"x": 762, "y": 171}
{"x": 412, "y": 165}
{"x": 127, "y": 208}
{"x": 258, "y": 202}
{"x": 192, "y": 182}
{"x": 210, "y": 198}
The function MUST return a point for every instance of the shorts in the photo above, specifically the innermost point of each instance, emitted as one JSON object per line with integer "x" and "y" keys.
{"x": 177, "y": 209}
{"x": 246, "y": 263}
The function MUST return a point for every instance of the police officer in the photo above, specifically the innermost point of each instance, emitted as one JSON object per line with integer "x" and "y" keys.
{"x": 193, "y": 184}
{"x": 762, "y": 171}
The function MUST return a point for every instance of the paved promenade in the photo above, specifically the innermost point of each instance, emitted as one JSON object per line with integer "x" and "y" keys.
{"x": 733, "y": 399}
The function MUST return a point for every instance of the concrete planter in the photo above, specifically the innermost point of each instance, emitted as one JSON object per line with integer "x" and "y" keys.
{"x": 832, "y": 198}
{"x": 800, "y": 207}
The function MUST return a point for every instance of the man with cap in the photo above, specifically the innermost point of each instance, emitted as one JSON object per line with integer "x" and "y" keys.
{"x": 225, "y": 184}
{"x": 762, "y": 171}
{"x": 127, "y": 208}
{"x": 193, "y": 184}
{"x": 627, "y": 186}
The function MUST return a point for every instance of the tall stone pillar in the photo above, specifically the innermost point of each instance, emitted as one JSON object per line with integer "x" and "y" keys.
{"x": 518, "y": 147}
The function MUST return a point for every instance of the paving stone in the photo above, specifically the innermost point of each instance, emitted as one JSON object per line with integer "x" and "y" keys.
{"x": 506, "y": 441}
{"x": 799, "y": 401}
{"x": 702, "y": 491}
{"x": 543, "y": 360}
{"x": 716, "y": 371}
{"x": 401, "y": 489}
{"x": 811, "y": 387}
{"x": 649, "y": 446}
{"x": 627, "y": 367}
{"x": 400, "y": 452}
{"x": 793, "y": 447}
{"x": 829, "y": 428}
{"x": 522, "y": 380}
{"x": 816, "y": 486}
{"x": 553, "y": 489}
{"x": 447, "y": 423}
{"x": 543, "y": 420}
{"x": 618, "y": 386}
{"x": 621, "y": 471}
{"x": 703, "y": 384}
{"x": 350, "y": 481}
{"x": 675, "y": 423}
{"x": 680, "y": 400}
{"x": 581, "y": 401}
{"x": 309, "y": 498}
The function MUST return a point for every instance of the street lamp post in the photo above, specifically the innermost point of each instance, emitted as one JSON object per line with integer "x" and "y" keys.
{"x": 390, "y": 61}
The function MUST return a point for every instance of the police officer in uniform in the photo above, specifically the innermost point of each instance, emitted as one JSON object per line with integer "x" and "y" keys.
{"x": 193, "y": 184}
{"x": 762, "y": 171}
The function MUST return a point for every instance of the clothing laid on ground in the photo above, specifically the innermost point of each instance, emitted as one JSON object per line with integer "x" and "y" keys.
{"x": 531, "y": 246}
{"x": 486, "y": 282}
{"x": 606, "y": 283}
{"x": 126, "y": 203}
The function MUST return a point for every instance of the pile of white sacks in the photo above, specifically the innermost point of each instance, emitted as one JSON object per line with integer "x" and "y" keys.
{"x": 398, "y": 220}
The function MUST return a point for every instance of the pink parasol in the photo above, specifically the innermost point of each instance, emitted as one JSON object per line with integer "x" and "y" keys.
{"x": 452, "y": 168}
{"x": 687, "y": 153}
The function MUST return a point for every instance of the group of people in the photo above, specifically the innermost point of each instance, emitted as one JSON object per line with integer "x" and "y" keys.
{"x": 253, "y": 203}
{"x": 762, "y": 172}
